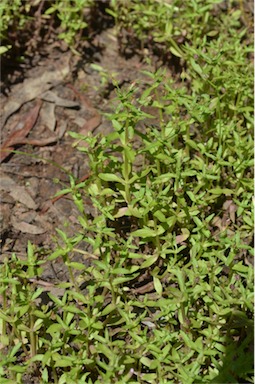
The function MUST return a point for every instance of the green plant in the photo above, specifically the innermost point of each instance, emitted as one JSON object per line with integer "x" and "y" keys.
{"x": 170, "y": 24}
{"x": 16, "y": 15}
{"x": 107, "y": 79}
{"x": 154, "y": 220}
{"x": 72, "y": 17}
{"x": 165, "y": 293}
{"x": 11, "y": 17}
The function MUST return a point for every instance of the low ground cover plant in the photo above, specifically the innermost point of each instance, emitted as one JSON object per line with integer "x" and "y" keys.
{"x": 17, "y": 18}
{"x": 165, "y": 293}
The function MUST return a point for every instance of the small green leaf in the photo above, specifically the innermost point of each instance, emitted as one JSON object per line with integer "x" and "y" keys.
{"x": 196, "y": 66}
{"x": 40, "y": 314}
{"x": 121, "y": 280}
{"x": 191, "y": 143}
{"x": 97, "y": 325}
{"x": 150, "y": 377}
{"x": 64, "y": 361}
{"x": 160, "y": 216}
{"x": 4, "y": 49}
{"x": 221, "y": 191}
{"x": 145, "y": 232}
{"x": 175, "y": 52}
{"x": 248, "y": 221}
{"x": 214, "y": 102}
{"x": 212, "y": 33}
{"x": 157, "y": 285}
{"x": 149, "y": 261}
{"x": 239, "y": 267}
{"x": 191, "y": 196}
{"x": 53, "y": 328}
{"x": 109, "y": 308}
{"x": 75, "y": 265}
{"x": 55, "y": 299}
{"x": 146, "y": 361}
{"x": 72, "y": 309}
{"x": 111, "y": 177}
{"x": 198, "y": 222}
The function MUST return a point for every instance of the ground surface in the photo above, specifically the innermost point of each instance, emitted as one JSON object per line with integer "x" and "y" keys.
{"x": 52, "y": 92}
{"x": 28, "y": 183}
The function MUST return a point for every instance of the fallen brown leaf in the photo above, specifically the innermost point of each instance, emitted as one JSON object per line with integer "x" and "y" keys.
{"x": 230, "y": 207}
{"x": 59, "y": 101}
{"x": 184, "y": 236}
{"x": 21, "y": 195}
{"x": 24, "y": 227}
{"x": 30, "y": 89}
{"x": 18, "y": 137}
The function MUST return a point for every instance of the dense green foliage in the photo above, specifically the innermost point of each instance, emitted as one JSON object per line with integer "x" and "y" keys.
{"x": 171, "y": 188}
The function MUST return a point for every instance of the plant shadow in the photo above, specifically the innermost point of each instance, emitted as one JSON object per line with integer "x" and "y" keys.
{"x": 238, "y": 363}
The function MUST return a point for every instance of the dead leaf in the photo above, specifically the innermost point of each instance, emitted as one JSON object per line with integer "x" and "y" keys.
{"x": 221, "y": 223}
{"x": 227, "y": 204}
{"x": 53, "y": 98}
{"x": 232, "y": 212}
{"x": 61, "y": 128}
{"x": 80, "y": 121}
{"x": 24, "y": 227}
{"x": 230, "y": 207}
{"x": 20, "y": 194}
{"x": 18, "y": 136}
{"x": 217, "y": 222}
{"x": 17, "y": 192}
{"x": 47, "y": 115}
{"x": 121, "y": 212}
{"x": 6, "y": 183}
{"x": 4, "y": 218}
{"x": 31, "y": 88}
{"x": 184, "y": 236}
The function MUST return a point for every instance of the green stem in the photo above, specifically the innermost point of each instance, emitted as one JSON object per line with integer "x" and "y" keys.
{"x": 5, "y": 311}
{"x": 188, "y": 138}
{"x": 32, "y": 336}
{"x": 157, "y": 241}
{"x": 72, "y": 278}
{"x": 126, "y": 176}
{"x": 55, "y": 376}
{"x": 113, "y": 293}
{"x": 127, "y": 164}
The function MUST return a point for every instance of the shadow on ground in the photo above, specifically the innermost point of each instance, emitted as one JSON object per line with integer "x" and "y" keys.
{"x": 238, "y": 364}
